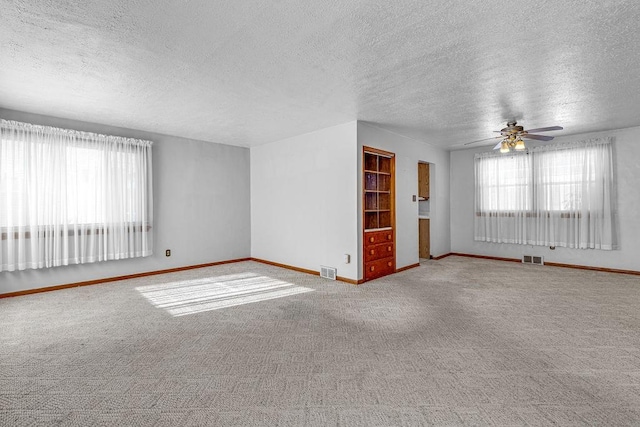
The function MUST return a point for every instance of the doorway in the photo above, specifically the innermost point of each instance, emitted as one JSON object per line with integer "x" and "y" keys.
{"x": 424, "y": 211}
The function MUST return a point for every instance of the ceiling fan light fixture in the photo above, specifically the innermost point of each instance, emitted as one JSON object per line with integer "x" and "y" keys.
{"x": 519, "y": 144}
{"x": 504, "y": 148}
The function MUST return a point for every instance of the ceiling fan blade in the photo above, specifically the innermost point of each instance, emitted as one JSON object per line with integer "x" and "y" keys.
{"x": 498, "y": 145}
{"x": 550, "y": 128}
{"x": 480, "y": 140}
{"x": 538, "y": 137}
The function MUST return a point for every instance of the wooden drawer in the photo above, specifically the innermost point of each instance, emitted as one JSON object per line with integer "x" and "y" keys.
{"x": 377, "y": 237}
{"x": 374, "y": 252}
{"x": 379, "y": 268}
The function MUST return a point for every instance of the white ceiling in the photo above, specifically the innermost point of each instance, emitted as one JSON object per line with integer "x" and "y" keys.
{"x": 251, "y": 72}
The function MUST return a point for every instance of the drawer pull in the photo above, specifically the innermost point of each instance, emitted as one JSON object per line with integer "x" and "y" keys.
{"x": 389, "y": 264}
{"x": 371, "y": 239}
{"x": 388, "y": 236}
{"x": 389, "y": 249}
{"x": 373, "y": 267}
{"x": 372, "y": 251}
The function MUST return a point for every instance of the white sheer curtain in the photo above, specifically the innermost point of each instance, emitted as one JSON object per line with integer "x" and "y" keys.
{"x": 69, "y": 197}
{"x": 553, "y": 195}
{"x": 503, "y": 189}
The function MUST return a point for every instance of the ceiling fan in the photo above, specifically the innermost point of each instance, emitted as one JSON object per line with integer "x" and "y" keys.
{"x": 512, "y": 136}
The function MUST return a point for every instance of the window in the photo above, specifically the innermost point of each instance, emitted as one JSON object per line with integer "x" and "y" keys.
{"x": 562, "y": 175}
{"x": 504, "y": 183}
{"x": 555, "y": 195}
{"x": 72, "y": 197}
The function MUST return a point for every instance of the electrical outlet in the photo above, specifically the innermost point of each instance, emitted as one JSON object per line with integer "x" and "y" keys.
{"x": 167, "y": 252}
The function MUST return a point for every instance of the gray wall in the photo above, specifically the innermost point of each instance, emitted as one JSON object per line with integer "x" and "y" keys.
{"x": 304, "y": 200}
{"x": 627, "y": 155}
{"x": 201, "y": 208}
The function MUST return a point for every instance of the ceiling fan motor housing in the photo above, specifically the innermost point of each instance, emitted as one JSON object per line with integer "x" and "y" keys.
{"x": 512, "y": 128}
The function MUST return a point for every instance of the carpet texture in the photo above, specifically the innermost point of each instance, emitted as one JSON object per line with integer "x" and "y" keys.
{"x": 459, "y": 341}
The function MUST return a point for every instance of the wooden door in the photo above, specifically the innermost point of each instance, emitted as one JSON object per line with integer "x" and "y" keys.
{"x": 424, "y": 238}
{"x": 423, "y": 180}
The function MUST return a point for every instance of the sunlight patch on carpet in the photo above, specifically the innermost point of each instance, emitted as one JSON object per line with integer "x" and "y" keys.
{"x": 213, "y": 293}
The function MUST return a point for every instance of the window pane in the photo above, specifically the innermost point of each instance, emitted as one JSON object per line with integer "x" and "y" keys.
{"x": 504, "y": 183}
{"x": 561, "y": 177}
{"x": 88, "y": 189}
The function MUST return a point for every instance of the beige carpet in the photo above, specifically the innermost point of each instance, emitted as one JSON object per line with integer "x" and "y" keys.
{"x": 458, "y": 341}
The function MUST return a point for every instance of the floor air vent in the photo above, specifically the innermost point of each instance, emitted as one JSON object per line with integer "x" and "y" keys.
{"x": 328, "y": 272}
{"x": 530, "y": 259}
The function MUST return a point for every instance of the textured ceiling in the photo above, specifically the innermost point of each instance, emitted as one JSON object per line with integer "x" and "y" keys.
{"x": 251, "y": 72}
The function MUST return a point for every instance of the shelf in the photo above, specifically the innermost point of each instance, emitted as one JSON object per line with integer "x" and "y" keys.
{"x": 378, "y": 191}
{"x": 384, "y": 165}
{"x": 378, "y": 212}
{"x": 370, "y": 162}
{"x": 384, "y": 218}
{"x": 378, "y": 172}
